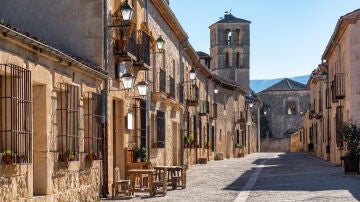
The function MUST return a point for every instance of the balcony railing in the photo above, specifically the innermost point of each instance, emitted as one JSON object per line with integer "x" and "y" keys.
{"x": 143, "y": 50}
{"x": 172, "y": 87}
{"x": 338, "y": 86}
{"x": 126, "y": 48}
{"x": 192, "y": 95}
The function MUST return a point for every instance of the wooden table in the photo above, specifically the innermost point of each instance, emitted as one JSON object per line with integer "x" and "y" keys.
{"x": 138, "y": 182}
{"x": 174, "y": 174}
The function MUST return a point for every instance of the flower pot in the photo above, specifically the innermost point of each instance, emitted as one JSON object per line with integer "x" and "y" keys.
{"x": 7, "y": 159}
{"x": 63, "y": 157}
{"x": 351, "y": 164}
{"x": 90, "y": 157}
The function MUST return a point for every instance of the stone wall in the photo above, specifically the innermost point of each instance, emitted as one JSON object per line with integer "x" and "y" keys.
{"x": 275, "y": 145}
{"x": 14, "y": 182}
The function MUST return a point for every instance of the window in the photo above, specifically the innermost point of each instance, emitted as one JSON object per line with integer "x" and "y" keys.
{"x": 291, "y": 107}
{"x": 237, "y": 137}
{"x": 160, "y": 129}
{"x": 228, "y": 37}
{"x": 339, "y": 124}
{"x": 238, "y": 61}
{"x": 200, "y": 133}
{"x": 93, "y": 130}
{"x": 15, "y": 112}
{"x": 239, "y": 36}
{"x": 227, "y": 59}
{"x": 68, "y": 119}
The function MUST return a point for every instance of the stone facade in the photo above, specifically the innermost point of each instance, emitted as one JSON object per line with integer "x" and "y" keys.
{"x": 161, "y": 117}
{"x": 39, "y": 171}
{"x": 230, "y": 49}
{"x": 335, "y": 99}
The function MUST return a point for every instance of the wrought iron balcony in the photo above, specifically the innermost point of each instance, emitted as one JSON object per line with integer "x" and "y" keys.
{"x": 143, "y": 51}
{"x": 126, "y": 48}
{"x": 192, "y": 95}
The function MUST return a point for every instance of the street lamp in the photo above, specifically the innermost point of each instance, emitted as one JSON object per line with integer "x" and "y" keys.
{"x": 192, "y": 74}
{"x": 142, "y": 88}
{"x": 216, "y": 90}
{"x": 160, "y": 44}
{"x": 126, "y": 11}
{"x": 128, "y": 80}
{"x": 324, "y": 76}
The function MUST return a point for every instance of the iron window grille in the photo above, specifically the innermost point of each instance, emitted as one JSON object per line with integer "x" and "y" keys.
{"x": 160, "y": 129}
{"x": 142, "y": 123}
{"x": 93, "y": 129}
{"x": 143, "y": 48}
{"x": 68, "y": 120}
{"x": 162, "y": 80}
{"x": 172, "y": 87}
{"x": 15, "y": 111}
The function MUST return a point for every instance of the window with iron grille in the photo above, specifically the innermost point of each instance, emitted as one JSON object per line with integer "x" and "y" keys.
{"x": 181, "y": 93}
{"x": 93, "y": 130}
{"x": 327, "y": 98}
{"x": 162, "y": 81}
{"x": 68, "y": 120}
{"x": 172, "y": 87}
{"x": 15, "y": 111}
{"x": 339, "y": 124}
{"x": 160, "y": 129}
{"x": 214, "y": 110}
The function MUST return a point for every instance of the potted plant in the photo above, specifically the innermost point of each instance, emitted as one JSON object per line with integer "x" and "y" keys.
{"x": 207, "y": 145}
{"x": 7, "y": 156}
{"x": 67, "y": 156}
{"x": 90, "y": 157}
{"x": 140, "y": 153}
{"x": 186, "y": 142}
{"x": 191, "y": 140}
{"x": 351, "y": 135}
{"x": 154, "y": 145}
{"x": 240, "y": 147}
{"x": 310, "y": 147}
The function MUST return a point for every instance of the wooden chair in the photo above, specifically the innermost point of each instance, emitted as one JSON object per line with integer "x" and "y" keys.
{"x": 124, "y": 185}
{"x": 159, "y": 185}
{"x": 178, "y": 177}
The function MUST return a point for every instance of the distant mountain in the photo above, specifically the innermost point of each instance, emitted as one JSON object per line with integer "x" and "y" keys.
{"x": 261, "y": 84}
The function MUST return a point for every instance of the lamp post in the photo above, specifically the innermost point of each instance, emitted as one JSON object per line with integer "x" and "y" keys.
{"x": 128, "y": 80}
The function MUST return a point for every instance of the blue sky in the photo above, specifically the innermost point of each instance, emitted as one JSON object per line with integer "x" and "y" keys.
{"x": 287, "y": 37}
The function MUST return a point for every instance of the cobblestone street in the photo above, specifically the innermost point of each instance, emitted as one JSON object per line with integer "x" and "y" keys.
{"x": 265, "y": 177}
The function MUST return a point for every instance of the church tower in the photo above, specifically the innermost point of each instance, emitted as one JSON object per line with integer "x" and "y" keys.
{"x": 230, "y": 49}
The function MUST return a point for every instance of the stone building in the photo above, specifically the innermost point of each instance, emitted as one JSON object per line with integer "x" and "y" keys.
{"x": 48, "y": 101}
{"x": 285, "y": 103}
{"x": 335, "y": 98}
{"x": 88, "y": 55}
{"x": 230, "y": 49}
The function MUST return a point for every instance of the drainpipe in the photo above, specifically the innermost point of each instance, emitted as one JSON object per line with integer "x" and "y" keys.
{"x": 182, "y": 112}
{"x": 105, "y": 94}
{"x": 146, "y": 11}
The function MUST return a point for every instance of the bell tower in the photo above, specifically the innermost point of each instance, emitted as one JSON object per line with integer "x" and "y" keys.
{"x": 230, "y": 49}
